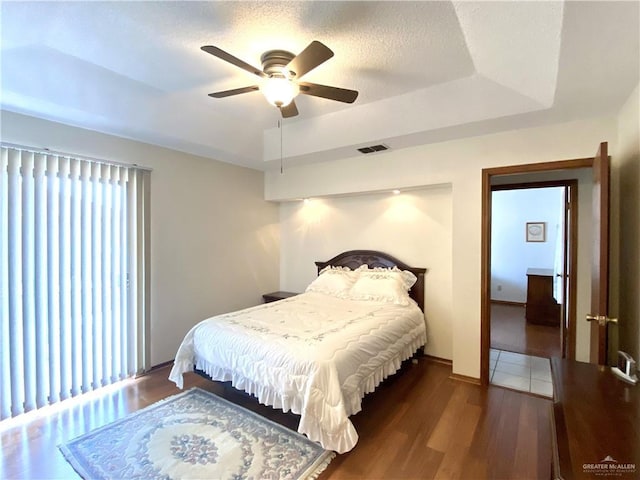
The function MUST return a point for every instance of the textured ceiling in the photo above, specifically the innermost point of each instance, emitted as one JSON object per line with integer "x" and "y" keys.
{"x": 426, "y": 71}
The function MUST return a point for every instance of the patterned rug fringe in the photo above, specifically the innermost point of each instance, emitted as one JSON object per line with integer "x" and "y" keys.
{"x": 320, "y": 466}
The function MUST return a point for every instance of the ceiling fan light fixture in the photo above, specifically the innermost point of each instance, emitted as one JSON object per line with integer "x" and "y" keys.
{"x": 280, "y": 75}
{"x": 279, "y": 91}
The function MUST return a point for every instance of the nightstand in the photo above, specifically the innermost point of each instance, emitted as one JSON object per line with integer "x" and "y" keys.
{"x": 274, "y": 296}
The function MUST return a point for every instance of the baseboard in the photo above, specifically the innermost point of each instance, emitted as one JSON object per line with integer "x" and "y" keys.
{"x": 156, "y": 367}
{"x": 507, "y": 302}
{"x": 442, "y": 361}
{"x": 465, "y": 379}
{"x": 453, "y": 376}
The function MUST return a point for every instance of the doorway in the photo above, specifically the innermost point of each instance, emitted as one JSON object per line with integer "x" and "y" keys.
{"x": 527, "y": 176}
{"x": 531, "y": 302}
{"x": 532, "y": 264}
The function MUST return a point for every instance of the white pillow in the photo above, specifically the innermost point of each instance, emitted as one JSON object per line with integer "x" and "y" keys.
{"x": 383, "y": 285}
{"x": 407, "y": 278}
{"x": 335, "y": 281}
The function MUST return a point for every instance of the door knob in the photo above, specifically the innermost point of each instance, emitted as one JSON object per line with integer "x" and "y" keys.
{"x": 601, "y": 319}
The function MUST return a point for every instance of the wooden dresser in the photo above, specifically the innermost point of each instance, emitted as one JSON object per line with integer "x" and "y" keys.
{"x": 595, "y": 423}
{"x": 542, "y": 308}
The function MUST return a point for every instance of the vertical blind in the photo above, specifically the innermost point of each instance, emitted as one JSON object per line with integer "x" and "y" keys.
{"x": 73, "y": 276}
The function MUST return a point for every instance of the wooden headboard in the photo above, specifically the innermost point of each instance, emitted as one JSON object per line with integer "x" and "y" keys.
{"x": 355, "y": 258}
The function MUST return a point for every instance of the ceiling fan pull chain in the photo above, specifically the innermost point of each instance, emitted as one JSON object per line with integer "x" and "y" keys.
{"x": 280, "y": 128}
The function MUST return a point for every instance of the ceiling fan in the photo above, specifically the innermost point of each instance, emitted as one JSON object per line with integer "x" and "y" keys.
{"x": 281, "y": 71}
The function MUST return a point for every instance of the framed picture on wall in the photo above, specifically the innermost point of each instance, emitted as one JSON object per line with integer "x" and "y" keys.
{"x": 536, "y": 231}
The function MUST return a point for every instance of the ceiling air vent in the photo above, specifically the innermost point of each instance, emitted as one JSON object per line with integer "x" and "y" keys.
{"x": 373, "y": 149}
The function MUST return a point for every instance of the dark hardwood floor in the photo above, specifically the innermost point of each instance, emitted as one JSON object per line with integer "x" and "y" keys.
{"x": 510, "y": 331}
{"x": 419, "y": 424}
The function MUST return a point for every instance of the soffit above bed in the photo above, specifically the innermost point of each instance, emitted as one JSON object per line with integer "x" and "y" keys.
{"x": 426, "y": 71}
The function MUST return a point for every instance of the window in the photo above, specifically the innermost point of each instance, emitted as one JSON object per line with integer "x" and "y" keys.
{"x": 73, "y": 276}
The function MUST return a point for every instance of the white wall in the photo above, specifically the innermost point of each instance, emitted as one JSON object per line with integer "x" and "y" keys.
{"x": 511, "y": 254}
{"x": 458, "y": 163}
{"x": 626, "y": 241}
{"x": 414, "y": 226}
{"x": 214, "y": 239}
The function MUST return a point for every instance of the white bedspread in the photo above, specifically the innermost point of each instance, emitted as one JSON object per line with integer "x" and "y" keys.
{"x": 313, "y": 354}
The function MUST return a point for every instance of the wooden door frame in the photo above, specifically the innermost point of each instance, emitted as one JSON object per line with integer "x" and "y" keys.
{"x": 485, "y": 283}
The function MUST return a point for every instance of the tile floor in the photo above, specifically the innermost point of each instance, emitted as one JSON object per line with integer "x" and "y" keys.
{"x": 521, "y": 372}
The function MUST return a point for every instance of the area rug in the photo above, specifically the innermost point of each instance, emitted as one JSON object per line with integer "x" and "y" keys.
{"x": 195, "y": 434}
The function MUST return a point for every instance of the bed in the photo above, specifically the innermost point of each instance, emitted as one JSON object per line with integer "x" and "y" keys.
{"x": 319, "y": 353}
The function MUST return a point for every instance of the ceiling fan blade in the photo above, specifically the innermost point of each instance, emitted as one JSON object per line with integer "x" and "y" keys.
{"x": 227, "y": 57}
{"x": 235, "y": 91}
{"x": 332, "y": 93}
{"x": 290, "y": 110}
{"x": 312, "y": 56}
